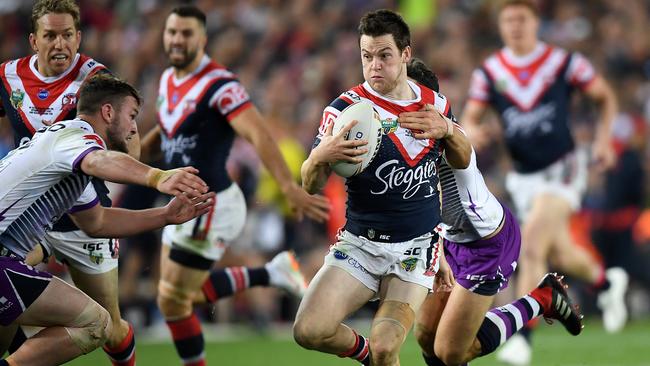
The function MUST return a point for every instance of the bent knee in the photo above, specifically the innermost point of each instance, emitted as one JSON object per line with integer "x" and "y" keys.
{"x": 174, "y": 301}
{"x": 384, "y": 348}
{"x": 91, "y": 328}
{"x": 312, "y": 335}
{"x": 449, "y": 354}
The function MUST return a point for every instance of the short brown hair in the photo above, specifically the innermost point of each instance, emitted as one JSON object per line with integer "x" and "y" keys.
{"x": 530, "y": 4}
{"x": 43, "y": 7}
{"x": 103, "y": 89}
{"x": 381, "y": 22}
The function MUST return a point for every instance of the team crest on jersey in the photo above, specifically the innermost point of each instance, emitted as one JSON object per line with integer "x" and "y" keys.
{"x": 409, "y": 264}
{"x": 371, "y": 234}
{"x": 17, "y": 97}
{"x": 68, "y": 102}
{"x": 96, "y": 258}
{"x": 388, "y": 125}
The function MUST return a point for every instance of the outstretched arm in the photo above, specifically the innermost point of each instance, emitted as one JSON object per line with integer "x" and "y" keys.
{"x": 249, "y": 125}
{"x": 118, "y": 167}
{"x": 106, "y": 222}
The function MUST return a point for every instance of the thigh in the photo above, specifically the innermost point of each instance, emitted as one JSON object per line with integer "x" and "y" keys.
{"x": 332, "y": 295}
{"x": 101, "y": 287}
{"x": 394, "y": 289}
{"x": 461, "y": 319}
{"x": 59, "y": 305}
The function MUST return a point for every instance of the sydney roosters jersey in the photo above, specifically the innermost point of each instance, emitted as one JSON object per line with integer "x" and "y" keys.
{"x": 532, "y": 95}
{"x": 32, "y": 101}
{"x": 396, "y": 197}
{"x": 195, "y": 113}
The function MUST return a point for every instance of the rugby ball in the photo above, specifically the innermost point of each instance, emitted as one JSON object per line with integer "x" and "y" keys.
{"x": 368, "y": 128}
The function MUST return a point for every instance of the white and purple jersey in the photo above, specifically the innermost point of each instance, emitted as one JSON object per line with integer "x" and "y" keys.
{"x": 469, "y": 210}
{"x": 396, "y": 197}
{"x": 194, "y": 113}
{"x": 532, "y": 95}
{"x": 42, "y": 180}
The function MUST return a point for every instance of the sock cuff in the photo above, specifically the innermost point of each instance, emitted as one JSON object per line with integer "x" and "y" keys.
{"x": 124, "y": 344}
{"x": 185, "y": 328}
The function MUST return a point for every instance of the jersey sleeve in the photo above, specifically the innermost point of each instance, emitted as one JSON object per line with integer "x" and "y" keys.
{"x": 332, "y": 111}
{"x": 443, "y": 105}
{"x": 580, "y": 71}
{"x": 479, "y": 87}
{"x": 72, "y": 145}
{"x": 229, "y": 98}
{"x": 88, "y": 199}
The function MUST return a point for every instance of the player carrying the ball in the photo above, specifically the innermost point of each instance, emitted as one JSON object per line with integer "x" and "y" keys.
{"x": 393, "y": 205}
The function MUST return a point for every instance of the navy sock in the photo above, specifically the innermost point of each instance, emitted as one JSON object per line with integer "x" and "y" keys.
{"x": 226, "y": 282}
{"x": 4, "y": 363}
{"x": 432, "y": 360}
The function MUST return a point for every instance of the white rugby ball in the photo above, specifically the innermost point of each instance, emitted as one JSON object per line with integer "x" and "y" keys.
{"x": 368, "y": 128}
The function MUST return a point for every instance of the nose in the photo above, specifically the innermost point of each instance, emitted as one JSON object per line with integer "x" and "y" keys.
{"x": 375, "y": 64}
{"x": 58, "y": 42}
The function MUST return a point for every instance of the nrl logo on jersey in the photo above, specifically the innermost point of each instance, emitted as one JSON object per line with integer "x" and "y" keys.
{"x": 388, "y": 125}
{"x": 17, "y": 97}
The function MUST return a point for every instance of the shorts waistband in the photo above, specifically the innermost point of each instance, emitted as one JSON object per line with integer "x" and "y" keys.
{"x": 380, "y": 235}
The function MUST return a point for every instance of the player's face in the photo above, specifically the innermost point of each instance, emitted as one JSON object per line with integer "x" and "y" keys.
{"x": 56, "y": 42}
{"x": 384, "y": 66}
{"x": 123, "y": 125}
{"x": 184, "y": 39}
{"x": 518, "y": 26}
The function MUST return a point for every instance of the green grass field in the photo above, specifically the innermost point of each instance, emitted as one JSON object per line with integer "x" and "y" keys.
{"x": 553, "y": 346}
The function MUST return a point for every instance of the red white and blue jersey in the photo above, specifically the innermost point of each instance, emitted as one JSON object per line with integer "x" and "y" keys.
{"x": 396, "y": 197}
{"x": 532, "y": 94}
{"x": 195, "y": 113}
{"x": 31, "y": 101}
{"x": 42, "y": 180}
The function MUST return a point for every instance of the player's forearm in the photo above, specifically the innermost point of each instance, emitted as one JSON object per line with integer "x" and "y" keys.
{"x": 458, "y": 150}
{"x": 117, "y": 167}
{"x": 118, "y": 222}
{"x": 314, "y": 175}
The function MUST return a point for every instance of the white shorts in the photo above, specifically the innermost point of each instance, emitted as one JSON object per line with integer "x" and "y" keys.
{"x": 80, "y": 251}
{"x": 369, "y": 261}
{"x": 566, "y": 178}
{"x": 208, "y": 235}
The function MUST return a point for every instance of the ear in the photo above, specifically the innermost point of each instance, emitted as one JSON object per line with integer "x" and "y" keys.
{"x": 32, "y": 42}
{"x": 107, "y": 112}
{"x": 406, "y": 54}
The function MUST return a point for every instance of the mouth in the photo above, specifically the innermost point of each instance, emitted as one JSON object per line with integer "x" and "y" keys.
{"x": 59, "y": 57}
{"x": 177, "y": 51}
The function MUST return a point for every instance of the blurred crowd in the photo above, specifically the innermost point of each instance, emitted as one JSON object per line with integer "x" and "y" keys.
{"x": 294, "y": 57}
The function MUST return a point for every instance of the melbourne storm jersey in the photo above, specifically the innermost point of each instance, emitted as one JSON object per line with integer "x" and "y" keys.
{"x": 532, "y": 95}
{"x": 396, "y": 197}
{"x": 469, "y": 210}
{"x": 195, "y": 113}
{"x": 41, "y": 180}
